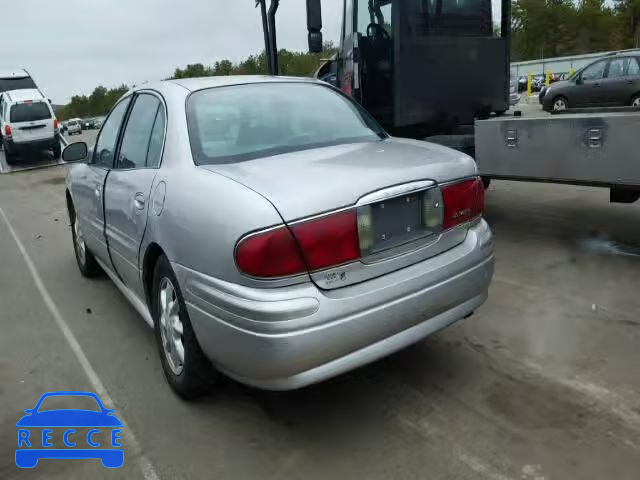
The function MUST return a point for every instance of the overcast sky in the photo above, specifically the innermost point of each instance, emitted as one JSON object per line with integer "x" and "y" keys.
{"x": 71, "y": 46}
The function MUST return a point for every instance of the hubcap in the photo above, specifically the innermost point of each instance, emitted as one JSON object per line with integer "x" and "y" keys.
{"x": 171, "y": 327}
{"x": 559, "y": 105}
{"x": 81, "y": 248}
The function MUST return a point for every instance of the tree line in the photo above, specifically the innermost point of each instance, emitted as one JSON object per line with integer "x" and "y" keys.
{"x": 555, "y": 28}
{"x": 540, "y": 29}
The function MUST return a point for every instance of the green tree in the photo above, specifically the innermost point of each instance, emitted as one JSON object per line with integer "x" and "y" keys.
{"x": 628, "y": 14}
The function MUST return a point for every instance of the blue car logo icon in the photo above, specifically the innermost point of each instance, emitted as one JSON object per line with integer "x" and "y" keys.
{"x": 38, "y": 428}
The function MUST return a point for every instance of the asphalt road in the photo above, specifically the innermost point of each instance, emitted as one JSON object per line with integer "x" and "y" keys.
{"x": 88, "y": 136}
{"x": 541, "y": 383}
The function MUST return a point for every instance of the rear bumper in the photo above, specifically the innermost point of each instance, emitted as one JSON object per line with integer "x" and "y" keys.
{"x": 290, "y": 337}
{"x": 32, "y": 145}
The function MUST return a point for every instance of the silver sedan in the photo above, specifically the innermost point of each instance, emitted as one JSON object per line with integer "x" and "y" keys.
{"x": 268, "y": 229}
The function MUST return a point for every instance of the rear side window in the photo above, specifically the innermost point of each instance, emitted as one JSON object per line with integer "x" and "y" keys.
{"x": 29, "y": 112}
{"x": 137, "y": 134}
{"x": 634, "y": 67}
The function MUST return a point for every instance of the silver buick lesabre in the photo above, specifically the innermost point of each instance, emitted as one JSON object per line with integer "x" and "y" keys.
{"x": 269, "y": 229}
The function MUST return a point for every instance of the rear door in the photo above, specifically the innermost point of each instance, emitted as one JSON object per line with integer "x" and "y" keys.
{"x": 633, "y": 80}
{"x": 31, "y": 121}
{"x": 618, "y": 86}
{"x": 87, "y": 191}
{"x": 128, "y": 186}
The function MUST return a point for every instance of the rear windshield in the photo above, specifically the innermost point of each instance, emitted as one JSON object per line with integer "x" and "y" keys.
{"x": 243, "y": 122}
{"x": 7, "y": 84}
{"x": 30, "y": 112}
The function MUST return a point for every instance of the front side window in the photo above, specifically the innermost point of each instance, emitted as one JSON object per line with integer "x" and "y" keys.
{"x": 29, "y": 112}
{"x": 595, "y": 71}
{"x": 237, "y": 123}
{"x": 106, "y": 145}
{"x": 373, "y": 15}
{"x": 454, "y": 17}
{"x": 137, "y": 134}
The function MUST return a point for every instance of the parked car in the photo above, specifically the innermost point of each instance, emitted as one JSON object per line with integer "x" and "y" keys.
{"x": 270, "y": 227}
{"x": 74, "y": 126}
{"x": 27, "y": 124}
{"x": 514, "y": 97}
{"x": 610, "y": 81}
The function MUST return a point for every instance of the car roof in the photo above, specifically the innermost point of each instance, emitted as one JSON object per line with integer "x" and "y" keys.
{"x": 13, "y": 74}
{"x": 24, "y": 94}
{"x": 200, "y": 83}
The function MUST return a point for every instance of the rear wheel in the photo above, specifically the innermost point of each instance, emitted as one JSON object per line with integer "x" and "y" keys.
{"x": 57, "y": 150}
{"x": 559, "y": 104}
{"x": 86, "y": 261}
{"x": 185, "y": 366}
{"x": 635, "y": 101}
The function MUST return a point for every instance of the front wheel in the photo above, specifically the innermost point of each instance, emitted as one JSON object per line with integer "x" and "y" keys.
{"x": 185, "y": 366}
{"x": 560, "y": 104}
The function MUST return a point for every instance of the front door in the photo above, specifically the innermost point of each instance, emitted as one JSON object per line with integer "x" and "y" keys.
{"x": 128, "y": 186}
{"x": 589, "y": 90}
{"x": 88, "y": 192}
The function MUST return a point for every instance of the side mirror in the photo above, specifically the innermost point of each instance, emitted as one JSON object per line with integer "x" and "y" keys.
{"x": 76, "y": 152}
{"x": 314, "y": 25}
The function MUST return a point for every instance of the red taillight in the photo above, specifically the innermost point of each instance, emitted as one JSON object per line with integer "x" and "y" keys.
{"x": 7, "y": 130}
{"x": 323, "y": 242}
{"x": 462, "y": 202}
{"x": 273, "y": 253}
{"x": 329, "y": 240}
{"x": 55, "y": 124}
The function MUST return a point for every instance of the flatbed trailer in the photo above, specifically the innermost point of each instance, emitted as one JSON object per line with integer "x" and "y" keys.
{"x": 30, "y": 164}
{"x": 590, "y": 147}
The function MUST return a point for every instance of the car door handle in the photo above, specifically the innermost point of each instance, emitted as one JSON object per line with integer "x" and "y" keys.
{"x": 139, "y": 201}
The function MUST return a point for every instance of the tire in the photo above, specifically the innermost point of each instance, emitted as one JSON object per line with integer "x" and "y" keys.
{"x": 635, "y": 101}
{"x": 559, "y": 104}
{"x": 190, "y": 375}
{"x": 486, "y": 181}
{"x": 57, "y": 150}
{"x": 87, "y": 264}
{"x": 10, "y": 157}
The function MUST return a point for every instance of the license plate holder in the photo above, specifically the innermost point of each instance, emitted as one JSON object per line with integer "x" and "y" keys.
{"x": 397, "y": 221}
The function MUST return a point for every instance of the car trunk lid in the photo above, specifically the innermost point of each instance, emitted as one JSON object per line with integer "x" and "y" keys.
{"x": 379, "y": 186}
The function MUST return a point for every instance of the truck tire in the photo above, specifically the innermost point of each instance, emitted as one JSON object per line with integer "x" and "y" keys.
{"x": 186, "y": 368}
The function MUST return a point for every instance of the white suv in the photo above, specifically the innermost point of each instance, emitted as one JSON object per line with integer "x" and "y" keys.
{"x": 27, "y": 123}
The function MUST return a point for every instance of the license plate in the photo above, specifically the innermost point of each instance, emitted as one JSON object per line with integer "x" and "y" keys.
{"x": 397, "y": 221}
